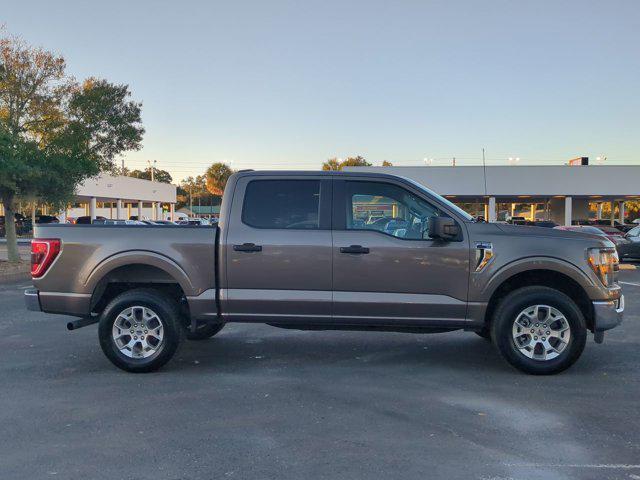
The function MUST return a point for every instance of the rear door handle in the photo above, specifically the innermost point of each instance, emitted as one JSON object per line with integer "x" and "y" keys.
{"x": 354, "y": 249}
{"x": 247, "y": 247}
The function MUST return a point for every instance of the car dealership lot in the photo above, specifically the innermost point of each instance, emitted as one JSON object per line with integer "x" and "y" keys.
{"x": 258, "y": 402}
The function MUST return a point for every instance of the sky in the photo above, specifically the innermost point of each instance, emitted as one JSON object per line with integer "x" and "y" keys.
{"x": 289, "y": 84}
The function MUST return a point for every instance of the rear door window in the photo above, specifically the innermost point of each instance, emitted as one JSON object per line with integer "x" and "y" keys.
{"x": 282, "y": 204}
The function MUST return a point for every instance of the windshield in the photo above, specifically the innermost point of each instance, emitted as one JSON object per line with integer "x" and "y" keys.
{"x": 443, "y": 200}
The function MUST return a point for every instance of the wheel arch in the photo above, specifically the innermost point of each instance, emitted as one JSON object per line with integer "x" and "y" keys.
{"x": 556, "y": 278}
{"x": 131, "y": 270}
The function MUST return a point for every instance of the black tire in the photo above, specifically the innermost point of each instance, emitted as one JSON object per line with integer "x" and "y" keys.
{"x": 507, "y": 312}
{"x": 204, "y": 332}
{"x": 168, "y": 314}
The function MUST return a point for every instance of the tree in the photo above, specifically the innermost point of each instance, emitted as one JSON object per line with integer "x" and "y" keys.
{"x": 335, "y": 164}
{"x": 387, "y": 163}
{"x": 217, "y": 176}
{"x": 159, "y": 175}
{"x": 331, "y": 164}
{"x": 54, "y": 132}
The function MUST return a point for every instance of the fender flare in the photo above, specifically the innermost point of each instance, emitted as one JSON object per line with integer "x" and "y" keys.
{"x": 521, "y": 265}
{"x": 139, "y": 257}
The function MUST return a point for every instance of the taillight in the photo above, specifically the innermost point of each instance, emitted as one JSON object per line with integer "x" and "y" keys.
{"x": 43, "y": 252}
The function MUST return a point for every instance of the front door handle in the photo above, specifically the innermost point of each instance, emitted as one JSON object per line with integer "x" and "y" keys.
{"x": 247, "y": 247}
{"x": 354, "y": 249}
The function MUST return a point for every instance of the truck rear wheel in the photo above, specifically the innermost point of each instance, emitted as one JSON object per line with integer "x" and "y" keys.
{"x": 539, "y": 330}
{"x": 140, "y": 330}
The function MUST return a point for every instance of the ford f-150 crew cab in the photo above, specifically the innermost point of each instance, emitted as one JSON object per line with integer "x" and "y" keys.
{"x": 330, "y": 250}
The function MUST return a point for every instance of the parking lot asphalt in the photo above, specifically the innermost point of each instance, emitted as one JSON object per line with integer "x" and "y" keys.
{"x": 258, "y": 402}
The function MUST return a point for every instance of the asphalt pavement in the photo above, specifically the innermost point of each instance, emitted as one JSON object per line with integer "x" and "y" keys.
{"x": 258, "y": 402}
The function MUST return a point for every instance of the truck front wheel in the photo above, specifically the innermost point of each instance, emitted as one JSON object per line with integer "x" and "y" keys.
{"x": 140, "y": 330}
{"x": 539, "y": 330}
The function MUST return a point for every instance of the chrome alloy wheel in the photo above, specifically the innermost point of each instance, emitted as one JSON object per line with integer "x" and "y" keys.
{"x": 138, "y": 332}
{"x": 541, "y": 332}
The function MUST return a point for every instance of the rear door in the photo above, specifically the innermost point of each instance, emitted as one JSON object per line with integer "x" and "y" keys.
{"x": 278, "y": 250}
{"x": 384, "y": 269}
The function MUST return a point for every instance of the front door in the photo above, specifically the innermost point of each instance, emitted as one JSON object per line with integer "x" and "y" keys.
{"x": 278, "y": 250}
{"x": 386, "y": 270}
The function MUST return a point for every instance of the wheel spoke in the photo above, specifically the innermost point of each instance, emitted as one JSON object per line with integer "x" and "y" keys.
{"x": 541, "y": 332}
{"x": 138, "y": 332}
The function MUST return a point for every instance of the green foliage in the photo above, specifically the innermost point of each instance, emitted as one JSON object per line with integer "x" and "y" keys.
{"x": 159, "y": 175}
{"x": 54, "y": 132}
{"x": 336, "y": 164}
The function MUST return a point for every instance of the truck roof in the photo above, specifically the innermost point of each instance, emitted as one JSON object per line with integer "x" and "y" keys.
{"x": 328, "y": 173}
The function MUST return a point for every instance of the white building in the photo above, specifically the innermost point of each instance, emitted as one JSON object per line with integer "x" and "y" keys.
{"x": 557, "y": 193}
{"x": 121, "y": 197}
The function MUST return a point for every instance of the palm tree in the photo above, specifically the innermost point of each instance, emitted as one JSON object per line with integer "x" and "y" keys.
{"x": 217, "y": 176}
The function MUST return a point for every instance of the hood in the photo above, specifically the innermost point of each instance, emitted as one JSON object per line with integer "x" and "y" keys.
{"x": 527, "y": 231}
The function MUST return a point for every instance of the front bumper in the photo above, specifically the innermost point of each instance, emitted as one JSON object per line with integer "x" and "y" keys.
{"x": 32, "y": 300}
{"x": 607, "y": 314}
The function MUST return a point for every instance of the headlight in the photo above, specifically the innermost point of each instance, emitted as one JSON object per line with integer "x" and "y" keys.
{"x": 604, "y": 262}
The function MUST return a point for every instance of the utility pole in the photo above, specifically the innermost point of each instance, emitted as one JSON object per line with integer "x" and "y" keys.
{"x": 454, "y": 161}
{"x": 153, "y": 167}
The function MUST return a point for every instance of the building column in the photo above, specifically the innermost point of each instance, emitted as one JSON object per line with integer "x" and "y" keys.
{"x": 533, "y": 211}
{"x": 599, "y": 211}
{"x": 612, "y": 215}
{"x": 92, "y": 208}
{"x": 172, "y": 211}
{"x": 621, "y": 212}
{"x": 159, "y": 212}
{"x": 492, "y": 210}
{"x": 128, "y": 210}
{"x": 139, "y": 210}
{"x": 119, "y": 209}
{"x": 568, "y": 214}
{"x": 153, "y": 211}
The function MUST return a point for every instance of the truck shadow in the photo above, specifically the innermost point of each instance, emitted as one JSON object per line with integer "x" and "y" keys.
{"x": 244, "y": 348}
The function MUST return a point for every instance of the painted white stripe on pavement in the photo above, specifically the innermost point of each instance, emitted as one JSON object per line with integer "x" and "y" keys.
{"x": 613, "y": 466}
{"x": 631, "y": 283}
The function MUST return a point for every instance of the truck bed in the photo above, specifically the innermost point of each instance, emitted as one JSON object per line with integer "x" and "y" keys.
{"x": 92, "y": 256}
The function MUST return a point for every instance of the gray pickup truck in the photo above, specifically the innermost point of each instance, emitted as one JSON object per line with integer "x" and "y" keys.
{"x": 330, "y": 251}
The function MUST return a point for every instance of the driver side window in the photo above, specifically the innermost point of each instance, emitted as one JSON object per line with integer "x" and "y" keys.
{"x": 388, "y": 209}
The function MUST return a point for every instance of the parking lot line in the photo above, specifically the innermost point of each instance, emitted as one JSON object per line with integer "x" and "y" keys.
{"x": 630, "y": 283}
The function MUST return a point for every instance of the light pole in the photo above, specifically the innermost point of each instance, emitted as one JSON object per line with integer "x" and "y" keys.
{"x": 152, "y": 166}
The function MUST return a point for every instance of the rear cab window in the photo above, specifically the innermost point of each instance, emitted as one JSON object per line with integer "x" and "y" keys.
{"x": 282, "y": 204}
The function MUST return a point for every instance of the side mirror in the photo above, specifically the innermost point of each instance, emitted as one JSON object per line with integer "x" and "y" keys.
{"x": 443, "y": 228}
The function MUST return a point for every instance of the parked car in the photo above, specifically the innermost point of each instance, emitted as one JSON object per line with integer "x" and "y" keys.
{"x": 621, "y": 243}
{"x": 110, "y": 221}
{"x": 163, "y": 222}
{"x": 288, "y": 253}
{"x": 607, "y": 223}
{"x": 631, "y": 251}
{"x": 516, "y": 220}
{"x": 46, "y": 219}
{"x": 23, "y": 225}
{"x": 87, "y": 220}
{"x": 541, "y": 223}
{"x": 194, "y": 221}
